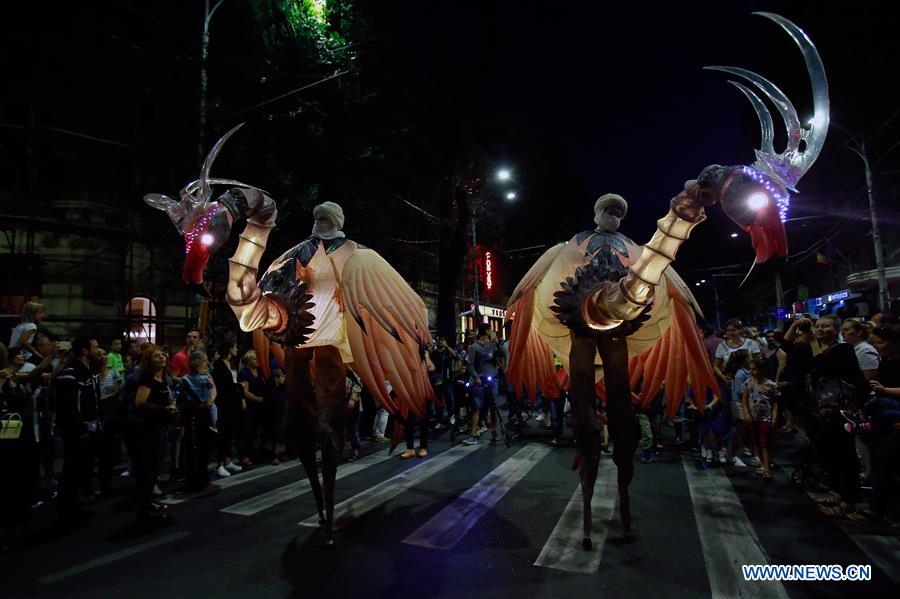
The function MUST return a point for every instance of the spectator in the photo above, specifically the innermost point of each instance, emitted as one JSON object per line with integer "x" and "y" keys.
{"x": 759, "y": 402}
{"x": 109, "y": 446}
{"x": 739, "y": 370}
{"x": 231, "y": 407}
{"x": 178, "y": 368}
{"x": 354, "y": 411}
{"x": 443, "y": 357}
{"x": 379, "y": 426}
{"x": 711, "y": 341}
{"x": 23, "y": 334}
{"x": 77, "y": 396}
{"x": 154, "y": 410}
{"x": 251, "y": 378}
{"x": 19, "y": 458}
{"x": 484, "y": 371}
{"x": 856, "y": 333}
{"x": 836, "y": 384}
{"x": 44, "y": 405}
{"x": 115, "y": 356}
{"x": 196, "y": 394}
{"x": 734, "y": 340}
{"x": 277, "y": 401}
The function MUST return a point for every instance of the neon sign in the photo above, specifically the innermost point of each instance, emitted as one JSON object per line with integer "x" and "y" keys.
{"x": 488, "y": 271}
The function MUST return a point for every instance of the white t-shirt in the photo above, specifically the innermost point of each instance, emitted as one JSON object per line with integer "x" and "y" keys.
{"x": 724, "y": 350}
{"x": 17, "y": 333}
{"x": 867, "y": 356}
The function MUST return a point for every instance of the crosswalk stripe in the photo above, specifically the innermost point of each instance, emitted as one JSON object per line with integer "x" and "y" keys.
{"x": 254, "y": 505}
{"x": 727, "y": 537}
{"x": 883, "y": 549}
{"x": 563, "y": 550}
{"x": 452, "y": 523}
{"x": 233, "y": 481}
{"x": 349, "y": 509}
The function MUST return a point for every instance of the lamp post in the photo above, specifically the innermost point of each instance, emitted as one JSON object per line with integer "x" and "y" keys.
{"x": 204, "y": 79}
{"x": 715, "y": 298}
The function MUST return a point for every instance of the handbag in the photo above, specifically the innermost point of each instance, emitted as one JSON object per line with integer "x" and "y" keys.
{"x": 10, "y": 426}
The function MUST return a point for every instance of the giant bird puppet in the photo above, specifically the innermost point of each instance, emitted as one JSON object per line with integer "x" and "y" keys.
{"x": 617, "y": 314}
{"x": 326, "y": 304}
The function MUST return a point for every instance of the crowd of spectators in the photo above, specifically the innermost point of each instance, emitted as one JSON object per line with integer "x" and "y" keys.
{"x": 838, "y": 384}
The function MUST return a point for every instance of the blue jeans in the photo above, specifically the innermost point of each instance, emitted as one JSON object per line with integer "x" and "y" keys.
{"x": 484, "y": 396}
{"x": 557, "y": 416}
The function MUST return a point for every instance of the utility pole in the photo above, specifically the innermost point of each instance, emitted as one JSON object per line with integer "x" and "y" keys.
{"x": 477, "y": 310}
{"x": 876, "y": 231}
{"x": 779, "y": 292}
{"x": 204, "y": 79}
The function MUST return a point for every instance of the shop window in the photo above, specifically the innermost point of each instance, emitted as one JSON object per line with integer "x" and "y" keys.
{"x": 141, "y": 314}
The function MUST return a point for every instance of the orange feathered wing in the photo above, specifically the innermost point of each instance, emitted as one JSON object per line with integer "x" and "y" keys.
{"x": 387, "y": 324}
{"x": 530, "y": 359}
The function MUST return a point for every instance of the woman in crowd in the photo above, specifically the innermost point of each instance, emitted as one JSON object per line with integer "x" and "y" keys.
{"x": 739, "y": 370}
{"x": 734, "y": 340}
{"x": 836, "y": 383}
{"x": 110, "y": 450}
{"x": 251, "y": 378}
{"x": 856, "y": 333}
{"x": 231, "y": 406}
{"x": 196, "y": 395}
{"x": 154, "y": 410}
{"x": 23, "y": 334}
{"x": 884, "y": 409}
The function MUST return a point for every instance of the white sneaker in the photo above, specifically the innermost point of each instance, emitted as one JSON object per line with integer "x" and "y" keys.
{"x": 452, "y": 420}
{"x": 157, "y": 492}
{"x": 232, "y": 467}
{"x": 738, "y": 462}
{"x": 539, "y": 418}
{"x": 125, "y": 473}
{"x": 470, "y": 441}
{"x": 747, "y": 453}
{"x": 221, "y": 471}
{"x": 723, "y": 457}
{"x": 755, "y": 462}
{"x": 482, "y": 429}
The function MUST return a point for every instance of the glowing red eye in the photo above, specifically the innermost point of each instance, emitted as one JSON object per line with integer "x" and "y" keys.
{"x": 757, "y": 201}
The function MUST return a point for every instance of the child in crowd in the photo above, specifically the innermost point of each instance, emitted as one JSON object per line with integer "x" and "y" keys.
{"x": 276, "y": 420}
{"x": 759, "y": 402}
{"x": 738, "y": 369}
{"x": 196, "y": 395}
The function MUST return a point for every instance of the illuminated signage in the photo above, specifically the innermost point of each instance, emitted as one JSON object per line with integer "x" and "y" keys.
{"x": 488, "y": 271}
{"x": 833, "y": 297}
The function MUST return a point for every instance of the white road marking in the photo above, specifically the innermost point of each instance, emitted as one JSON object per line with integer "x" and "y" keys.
{"x": 350, "y": 509}
{"x": 563, "y": 550}
{"x": 727, "y": 537}
{"x": 452, "y": 523}
{"x": 881, "y": 547}
{"x": 254, "y": 505}
{"x": 110, "y": 558}
{"x": 233, "y": 481}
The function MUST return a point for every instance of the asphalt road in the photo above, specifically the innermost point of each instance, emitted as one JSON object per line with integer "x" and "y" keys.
{"x": 488, "y": 521}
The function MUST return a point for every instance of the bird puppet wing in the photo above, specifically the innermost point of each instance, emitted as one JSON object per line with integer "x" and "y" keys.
{"x": 530, "y": 359}
{"x": 387, "y": 327}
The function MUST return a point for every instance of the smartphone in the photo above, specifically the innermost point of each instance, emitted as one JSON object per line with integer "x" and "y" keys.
{"x": 63, "y": 345}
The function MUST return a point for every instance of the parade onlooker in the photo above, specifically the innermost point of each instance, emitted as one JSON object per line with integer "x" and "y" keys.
{"x": 23, "y": 334}
{"x": 251, "y": 378}
{"x": 856, "y": 333}
{"x": 836, "y": 384}
{"x": 354, "y": 412}
{"x": 77, "y": 395}
{"x": 759, "y": 402}
{"x": 115, "y": 356}
{"x": 711, "y": 341}
{"x": 277, "y": 401}
{"x": 196, "y": 394}
{"x": 443, "y": 357}
{"x": 739, "y": 370}
{"x": 154, "y": 410}
{"x": 109, "y": 449}
{"x": 484, "y": 372}
{"x": 734, "y": 340}
{"x": 230, "y": 411}
{"x": 180, "y": 364}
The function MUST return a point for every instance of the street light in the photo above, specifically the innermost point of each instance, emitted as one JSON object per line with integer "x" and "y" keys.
{"x": 504, "y": 174}
{"x": 511, "y": 195}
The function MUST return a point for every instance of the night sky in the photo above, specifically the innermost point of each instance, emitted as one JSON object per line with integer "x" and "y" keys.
{"x": 578, "y": 99}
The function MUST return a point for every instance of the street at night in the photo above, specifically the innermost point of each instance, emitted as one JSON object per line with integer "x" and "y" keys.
{"x": 481, "y": 298}
{"x": 481, "y": 521}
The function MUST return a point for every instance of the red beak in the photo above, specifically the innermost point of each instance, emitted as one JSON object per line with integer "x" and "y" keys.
{"x": 767, "y": 234}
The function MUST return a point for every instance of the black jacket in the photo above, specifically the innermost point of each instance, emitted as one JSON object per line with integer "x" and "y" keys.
{"x": 77, "y": 397}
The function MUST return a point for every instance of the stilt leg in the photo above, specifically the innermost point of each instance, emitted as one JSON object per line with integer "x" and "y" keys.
{"x": 584, "y": 423}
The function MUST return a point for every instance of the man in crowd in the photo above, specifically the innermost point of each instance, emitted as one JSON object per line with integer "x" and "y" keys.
{"x": 77, "y": 396}
{"x": 179, "y": 367}
{"x": 484, "y": 359}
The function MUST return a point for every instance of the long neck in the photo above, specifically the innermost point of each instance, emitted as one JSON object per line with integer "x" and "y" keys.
{"x": 253, "y": 310}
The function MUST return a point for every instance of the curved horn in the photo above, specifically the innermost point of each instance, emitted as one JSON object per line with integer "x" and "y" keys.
{"x": 193, "y": 186}
{"x": 765, "y": 118}
{"x": 778, "y": 97}
{"x": 818, "y": 126}
{"x": 207, "y": 164}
